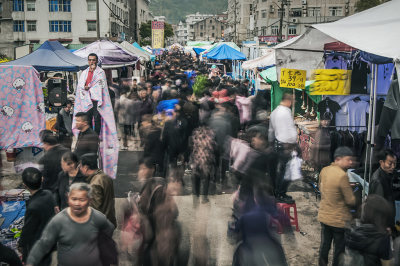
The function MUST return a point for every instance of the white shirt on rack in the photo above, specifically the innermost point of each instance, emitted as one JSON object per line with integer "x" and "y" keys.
{"x": 281, "y": 125}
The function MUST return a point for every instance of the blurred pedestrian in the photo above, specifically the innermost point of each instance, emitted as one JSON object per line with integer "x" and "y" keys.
{"x": 283, "y": 136}
{"x": 102, "y": 186}
{"x": 51, "y": 161}
{"x": 126, "y": 116}
{"x": 40, "y": 208}
{"x": 70, "y": 174}
{"x": 64, "y": 125}
{"x": 75, "y": 231}
{"x": 336, "y": 200}
{"x": 88, "y": 140}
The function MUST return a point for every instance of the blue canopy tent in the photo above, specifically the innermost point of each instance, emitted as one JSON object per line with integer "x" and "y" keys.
{"x": 152, "y": 57}
{"x": 198, "y": 50}
{"x": 224, "y": 51}
{"x": 51, "y": 56}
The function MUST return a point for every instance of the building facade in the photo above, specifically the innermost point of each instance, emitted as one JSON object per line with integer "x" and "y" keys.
{"x": 68, "y": 21}
{"x": 191, "y": 20}
{"x": 274, "y": 21}
{"x": 181, "y": 33}
{"x": 209, "y": 29}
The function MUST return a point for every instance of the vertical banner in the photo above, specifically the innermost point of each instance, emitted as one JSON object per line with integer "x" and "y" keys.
{"x": 157, "y": 34}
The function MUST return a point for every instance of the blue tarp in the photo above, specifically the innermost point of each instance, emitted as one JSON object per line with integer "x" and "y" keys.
{"x": 51, "y": 56}
{"x": 198, "y": 50}
{"x": 224, "y": 51}
{"x": 152, "y": 57}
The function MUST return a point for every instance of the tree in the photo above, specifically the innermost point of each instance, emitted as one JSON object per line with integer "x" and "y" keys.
{"x": 145, "y": 32}
{"x": 362, "y": 5}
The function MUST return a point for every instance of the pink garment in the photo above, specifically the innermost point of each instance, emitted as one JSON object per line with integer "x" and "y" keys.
{"x": 22, "y": 110}
{"x": 98, "y": 91}
{"x": 244, "y": 106}
{"x": 241, "y": 155}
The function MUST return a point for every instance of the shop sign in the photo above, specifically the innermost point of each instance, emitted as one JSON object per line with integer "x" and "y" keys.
{"x": 330, "y": 82}
{"x": 293, "y": 78}
{"x": 157, "y": 34}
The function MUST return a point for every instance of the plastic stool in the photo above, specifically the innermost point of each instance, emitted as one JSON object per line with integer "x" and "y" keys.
{"x": 285, "y": 208}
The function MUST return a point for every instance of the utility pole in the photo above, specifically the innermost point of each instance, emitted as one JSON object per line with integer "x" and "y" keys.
{"x": 98, "y": 19}
{"x": 281, "y": 21}
{"x": 234, "y": 37}
{"x": 287, "y": 19}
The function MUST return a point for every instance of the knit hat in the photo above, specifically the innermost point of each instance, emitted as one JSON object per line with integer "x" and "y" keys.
{"x": 342, "y": 152}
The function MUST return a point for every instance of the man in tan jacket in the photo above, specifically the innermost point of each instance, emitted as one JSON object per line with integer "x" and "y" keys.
{"x": 334, "y": 210}
{"x": 103, "y": 198}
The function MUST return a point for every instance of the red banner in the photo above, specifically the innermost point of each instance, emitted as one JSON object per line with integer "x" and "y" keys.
{"x": 157, "y": 25}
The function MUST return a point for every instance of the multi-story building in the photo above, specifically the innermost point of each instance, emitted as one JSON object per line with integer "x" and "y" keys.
{"x": 270, "y": 19}
{"x": 209, "y": 29}
{"x": 139, "y": 13}
{"x": 160, "y": 18}
{"x": 239, "y": 20}
{"x": 181, "y": 33}
{"x": 191, "y": 20}
{"x": 68, "y": 21}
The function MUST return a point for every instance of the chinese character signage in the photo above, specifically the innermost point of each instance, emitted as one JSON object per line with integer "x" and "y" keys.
{"x": 157, "y": 34}
{"x": 330, "y": 82}
{"x": 293, "y": 78}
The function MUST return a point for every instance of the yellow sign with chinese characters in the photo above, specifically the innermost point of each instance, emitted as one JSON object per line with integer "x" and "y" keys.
{"x": 293, "y": 78}
{"x": 157, "y": 38}
{"x": 330, "y": 82}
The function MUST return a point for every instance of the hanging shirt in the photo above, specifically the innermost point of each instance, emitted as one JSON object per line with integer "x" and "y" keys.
{"x": 281, "y": 126}
{"x": 335, "y": 62}
{"x": 357, "y": 115}
{"x": 328, "y": 108}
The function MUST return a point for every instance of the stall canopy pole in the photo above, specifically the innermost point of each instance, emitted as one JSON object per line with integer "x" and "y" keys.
{"x": 367, "y": 152}
{"x": 373, "y": 122}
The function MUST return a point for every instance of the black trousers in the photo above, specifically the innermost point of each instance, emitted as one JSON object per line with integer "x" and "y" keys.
{"x": 329, "y": 233}
{"x": 94, "y": 114}
{"x": 283, "y": 151}
{"x": 198, "y": 182}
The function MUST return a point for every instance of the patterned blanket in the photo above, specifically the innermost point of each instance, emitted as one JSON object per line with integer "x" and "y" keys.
{"x": 22, "y": 110}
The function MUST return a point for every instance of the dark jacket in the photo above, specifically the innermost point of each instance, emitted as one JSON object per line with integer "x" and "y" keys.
{"x": 152, "y": 144}
{"x": 64, "y": 123}
{"x": 381, "y": 185}
{"x": 88, "y": 142}
{"x": 39, "y": 211}
{"x": 62, "y": 188}
{"x": 175, "y": 136}
{"x": 370, "y": 243}
{"x": 51, "y": 162}
{"x": 146, "y": 107}
{"x": 103, "y": 198}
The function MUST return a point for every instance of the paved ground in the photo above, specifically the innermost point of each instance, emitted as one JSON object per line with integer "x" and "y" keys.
{"x": 205, "y": 226}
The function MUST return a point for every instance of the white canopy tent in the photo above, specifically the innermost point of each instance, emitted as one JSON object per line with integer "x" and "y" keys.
{"x": 133, "y": 50}
{"x": 266, "y": 60}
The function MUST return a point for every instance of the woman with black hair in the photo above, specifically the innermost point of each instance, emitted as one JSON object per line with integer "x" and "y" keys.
{"x": 70, "y": 174}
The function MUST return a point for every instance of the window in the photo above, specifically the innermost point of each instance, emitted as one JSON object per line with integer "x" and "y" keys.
{"x": 292, "y": 30}
{"x": 264, "y": 1}
{"x": 263, "y": 31}
{"x": 91, "y": 5}
{"x": 222, "y": 27}
{"x": 281, "y": 12}
{"x": 314, "y": 12}
{"x": 213, "y": 35}
{"x": 31, "y": 25}
{"x": 201, "y": 27}
{"x": 201, "y": 34}
{"x": 274, "y": 30}
{"x": 263, "y": 13}
{"x": 59, "y": 5}
{"x": 30, "y": 5}
{"x": 18, "y": 5}
{"x": 191, "y": 26}
{"x": 251, "y": 9}
{"x": 296, "y": 12}
{"x": 213, "y": 27}
{"x": 91, "y": 25}
{"x": 210, "y": 21}
{"x": 59, "y": 26}
{"x": 335, "y": 11}
{"x": 19, "y": 26}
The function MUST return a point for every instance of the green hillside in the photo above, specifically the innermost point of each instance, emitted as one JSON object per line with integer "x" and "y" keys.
{"x": 176, "y": 10}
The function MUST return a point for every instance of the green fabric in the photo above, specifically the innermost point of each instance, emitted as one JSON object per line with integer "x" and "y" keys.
{"x": 270, "y": 74}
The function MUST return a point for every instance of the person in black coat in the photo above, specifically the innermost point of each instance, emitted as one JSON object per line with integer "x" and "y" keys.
{"x": 88, "y": 140}
{"x": 39, "y": 210}
{"x": 64, "y": 125}
{"x": 70, "y": 174}
{"x": 51, "y": 161}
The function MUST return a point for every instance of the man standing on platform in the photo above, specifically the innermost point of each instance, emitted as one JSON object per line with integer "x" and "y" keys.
{"x": 93, "y": 112}
{"x": 283, "y": 136}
